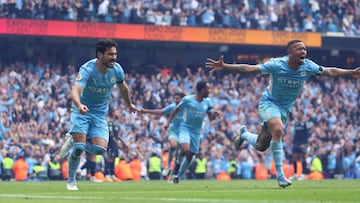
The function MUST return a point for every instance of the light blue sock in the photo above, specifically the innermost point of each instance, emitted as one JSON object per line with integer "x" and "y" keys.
{"x": 171, "y": 156}
{"x": 183, "y": 167}
{"x": 250, "y": 137}
{"x": 278, "y": 154}
{"x": 74, "y": 160}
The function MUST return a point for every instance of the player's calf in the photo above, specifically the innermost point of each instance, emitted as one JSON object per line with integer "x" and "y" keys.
{"x": 263, "y": 140}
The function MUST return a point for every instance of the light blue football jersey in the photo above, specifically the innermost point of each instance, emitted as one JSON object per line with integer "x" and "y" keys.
{"x": 178, "y": 118}
{"x": 194, "y": 112}
{"x": 97, "y": 87}
{"x": 286, "y": 84}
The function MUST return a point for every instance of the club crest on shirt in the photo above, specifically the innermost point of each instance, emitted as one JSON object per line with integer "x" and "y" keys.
{"x": 303, "y": 73}
{"x": 267, "y": 115}
{"x": 78, "y": 77}
{"x": 112, "y": 80}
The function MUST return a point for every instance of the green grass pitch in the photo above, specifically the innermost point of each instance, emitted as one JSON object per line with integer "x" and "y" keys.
{"x": 189, "y": 191}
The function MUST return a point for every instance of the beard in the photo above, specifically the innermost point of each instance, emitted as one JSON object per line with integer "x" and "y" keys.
{"x": 107, "y": 64}
{"x": 301, "y": 62}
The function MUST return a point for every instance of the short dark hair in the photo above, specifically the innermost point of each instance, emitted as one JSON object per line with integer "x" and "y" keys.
{"x": 292, "y": 42}
{"x": 103, "y": 44}
{"x": 180, "y": 94}
{"x": 200, "y": 85}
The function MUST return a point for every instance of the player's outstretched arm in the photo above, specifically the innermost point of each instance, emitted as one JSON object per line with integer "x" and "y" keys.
{"x": 152, "y": 111}
{"x": 335, "y": 72}
{"x": 238, "y": 68}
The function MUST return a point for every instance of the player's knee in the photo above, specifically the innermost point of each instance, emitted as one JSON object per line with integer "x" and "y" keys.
{"x": 277, "y": 132}
{"x": 95, "y": 149}
{"x": 78, "y": 148}
{"x": 99, "y": 150}
{"x": 173, "y": 147}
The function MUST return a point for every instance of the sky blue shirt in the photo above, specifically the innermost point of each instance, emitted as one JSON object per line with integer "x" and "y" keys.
{"x": 286, "y": 84}
{"x": 97, "y": 87}
{"x": 178, "y": 118}
{"x": 194, "y": 112}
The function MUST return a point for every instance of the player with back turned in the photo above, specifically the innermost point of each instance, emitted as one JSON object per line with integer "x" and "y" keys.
{"x": 113, "y": 151}
{"x": 301, "y": 136}
{"x": 288, "y": 75}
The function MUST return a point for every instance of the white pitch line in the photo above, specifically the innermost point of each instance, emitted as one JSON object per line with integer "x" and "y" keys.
{"x": 121, "y": 198}
{"x": 147, "y": 199}
{"x": 49, "y": 197}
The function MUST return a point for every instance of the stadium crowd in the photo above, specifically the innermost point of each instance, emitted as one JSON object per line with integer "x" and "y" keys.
{"x": 35, "y": 102}
{"x": 289, "y": 15}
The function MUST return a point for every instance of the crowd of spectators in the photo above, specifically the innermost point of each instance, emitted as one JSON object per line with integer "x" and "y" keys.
{"x": 289, "y": 15}
{"x": 35, "y": 102}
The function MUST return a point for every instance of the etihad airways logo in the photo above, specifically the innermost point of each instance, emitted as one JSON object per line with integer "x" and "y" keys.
{"x": 98, "y": 89}
{"x": 285, "y": 82}
{"x": 197, "y": 113}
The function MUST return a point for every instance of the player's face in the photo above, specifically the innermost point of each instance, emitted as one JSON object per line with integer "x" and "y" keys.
{"x": 297, "y": 53}
{"x": 177, "y": 99}
{"x": 108, "y": 59}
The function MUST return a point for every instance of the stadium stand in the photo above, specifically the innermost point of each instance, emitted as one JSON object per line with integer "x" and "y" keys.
{"x": 303, "y": 15}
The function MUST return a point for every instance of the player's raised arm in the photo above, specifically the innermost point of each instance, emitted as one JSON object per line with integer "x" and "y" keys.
{"x": 334, "y": 72}
{"x": 238, "y": 68}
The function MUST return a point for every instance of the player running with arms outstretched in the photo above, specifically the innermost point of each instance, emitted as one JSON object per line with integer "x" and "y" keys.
{"x": 288, "y": 75}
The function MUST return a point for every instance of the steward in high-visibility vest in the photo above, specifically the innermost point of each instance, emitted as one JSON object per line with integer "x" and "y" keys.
{"x": 40, "y": 172}
{"x": 232, "y": 169}
{"x": 154, "y": 167}
{"x": 7, "y": 165}
{"x": 200, "y": 167}
{"x": 54, "y": 169}
{"x": 116, "y": 161}
{"x": 99, "y": 163}
{"x": 316, "y": 170}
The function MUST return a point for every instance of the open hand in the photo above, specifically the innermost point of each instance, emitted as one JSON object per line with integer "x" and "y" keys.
{"x": 215, "y": 65}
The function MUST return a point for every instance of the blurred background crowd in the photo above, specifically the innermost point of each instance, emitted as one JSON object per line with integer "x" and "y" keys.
{"x": 290, "y": 15}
